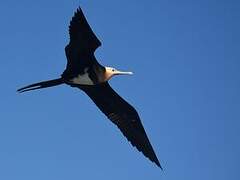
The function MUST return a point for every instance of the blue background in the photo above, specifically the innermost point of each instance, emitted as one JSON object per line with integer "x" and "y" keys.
{"x": 185, "y": 56}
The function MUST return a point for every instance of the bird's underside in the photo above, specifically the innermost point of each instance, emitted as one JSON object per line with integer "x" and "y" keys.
{"x": 122, "y": 114}
{"x": 84, "y": 72}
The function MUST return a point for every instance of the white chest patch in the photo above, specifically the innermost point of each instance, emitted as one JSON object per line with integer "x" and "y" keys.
{"x": 82, "y": 79}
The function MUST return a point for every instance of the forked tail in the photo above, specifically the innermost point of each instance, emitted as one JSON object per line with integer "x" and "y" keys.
{"x": 40, "y": 85}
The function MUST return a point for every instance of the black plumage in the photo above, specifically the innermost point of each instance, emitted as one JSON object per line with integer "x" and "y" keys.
{"x": 81, "y": 48}
{"x": 81, "y": 62}
{"x": 122, "y": 114}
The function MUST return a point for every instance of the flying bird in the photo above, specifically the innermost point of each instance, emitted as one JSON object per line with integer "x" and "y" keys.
{"x": 84, "y": 72}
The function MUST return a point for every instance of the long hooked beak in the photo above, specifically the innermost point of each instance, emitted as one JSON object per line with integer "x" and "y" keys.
{"x": 123, "y": 73}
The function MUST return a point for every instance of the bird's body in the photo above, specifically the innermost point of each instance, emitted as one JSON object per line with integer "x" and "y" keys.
{"x": 82, "y": 79}
{"x": 84, "y": 72}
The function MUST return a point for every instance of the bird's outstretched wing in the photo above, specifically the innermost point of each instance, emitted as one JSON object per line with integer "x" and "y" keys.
{"x": 83, "y": 43}
{"x": 81, "y": 34}
{"x": 123, "y": 115}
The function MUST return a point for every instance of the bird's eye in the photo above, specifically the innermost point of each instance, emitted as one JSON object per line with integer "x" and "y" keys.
{"x": 113, "y": 70}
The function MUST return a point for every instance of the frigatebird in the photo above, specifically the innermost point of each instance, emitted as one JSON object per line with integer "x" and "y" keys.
{"x": 84, "y": 72}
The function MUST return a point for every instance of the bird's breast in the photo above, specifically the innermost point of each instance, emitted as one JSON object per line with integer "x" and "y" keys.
{"x": 82, "y": 79}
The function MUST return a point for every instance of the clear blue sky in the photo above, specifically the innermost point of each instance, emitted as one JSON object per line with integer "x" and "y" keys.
{"x": 186, "y": 87}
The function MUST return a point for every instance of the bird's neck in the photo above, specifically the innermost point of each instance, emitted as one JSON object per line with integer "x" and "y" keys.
{"x": 107, "y": 76}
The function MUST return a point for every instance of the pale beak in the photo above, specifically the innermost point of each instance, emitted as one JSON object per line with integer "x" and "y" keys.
{"x": 123, "y": 73}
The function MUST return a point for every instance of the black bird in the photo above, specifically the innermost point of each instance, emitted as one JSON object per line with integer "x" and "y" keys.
{"x": 84, "y": 72}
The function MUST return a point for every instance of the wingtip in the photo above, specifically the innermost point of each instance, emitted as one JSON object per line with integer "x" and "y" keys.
{"x": 77, "y": 13}
{"x": 159, "y": 165}
{"x": 79, "y": 9}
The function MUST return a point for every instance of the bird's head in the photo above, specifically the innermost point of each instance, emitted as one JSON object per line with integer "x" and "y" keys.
{"x": 110, "y": 72}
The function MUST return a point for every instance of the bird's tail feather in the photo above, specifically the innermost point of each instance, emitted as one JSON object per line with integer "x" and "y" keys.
{"x": 40, "y": 85}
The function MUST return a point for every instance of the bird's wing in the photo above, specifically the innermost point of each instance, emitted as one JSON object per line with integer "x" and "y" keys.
{"x": 123, "y": 115}
{"x": 83, "y": 43}
{"x": 81, "y": 34}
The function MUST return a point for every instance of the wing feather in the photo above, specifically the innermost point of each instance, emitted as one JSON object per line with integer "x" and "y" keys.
{"x": 122, "y": 114}
{"x": 83, "y": 43}
{"x": 81, "y": 34}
